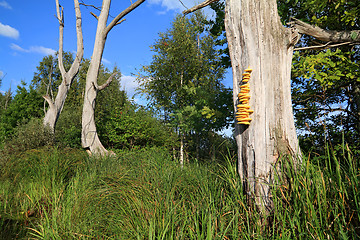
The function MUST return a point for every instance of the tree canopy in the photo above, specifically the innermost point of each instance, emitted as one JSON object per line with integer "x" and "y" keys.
{"x": 183, "y": 81}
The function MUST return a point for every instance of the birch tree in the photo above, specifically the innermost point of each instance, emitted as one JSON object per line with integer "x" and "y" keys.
{"x": 56, "y": 106}
{"x": 183, "y": 82}
{"x": 89, "y": 137}
{"x": 257, "y": 39}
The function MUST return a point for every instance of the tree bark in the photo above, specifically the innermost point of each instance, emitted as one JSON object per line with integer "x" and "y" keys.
{"x": 181, "y": 150}
{"x": 55, "y": 107}
{"x": 257, "y": 39}
{"x": 89, "y": 137}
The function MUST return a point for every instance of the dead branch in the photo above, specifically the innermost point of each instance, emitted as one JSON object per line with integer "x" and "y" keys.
{"x": 89, "y": 5}
{"x": 107, "y": 83}
{"x": 122, "y": 20}
{"x": 323, "y": 46}
{"x": 60, "y": 17}
{"x": 118, "y": 18}
{"x": 200, "y": 6}
{"x": 74, "y": 69}
{"x": 325, "y": 35}
{"x": 94, "y": 15}
{"x": 49, "y": 101}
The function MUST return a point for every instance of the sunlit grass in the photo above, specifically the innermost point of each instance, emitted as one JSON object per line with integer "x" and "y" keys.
{"x": 64, "y": 194}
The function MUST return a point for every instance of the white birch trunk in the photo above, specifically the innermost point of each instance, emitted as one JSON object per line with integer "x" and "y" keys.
{"x": 257, "y": 39}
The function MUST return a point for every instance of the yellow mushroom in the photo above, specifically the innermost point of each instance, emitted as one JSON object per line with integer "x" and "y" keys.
{"x": 243, "y": 106}
{"x": 244, "y": 95}
{"x": 245, "y": 123}
{"x": 249, "y": 70}
{"x": 246, "y": 119}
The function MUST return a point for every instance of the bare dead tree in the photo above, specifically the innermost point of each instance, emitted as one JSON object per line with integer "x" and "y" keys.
{"x": 89, "y": 137}
{"x": 56, "y": 106}
{"x": 257, "y": 39}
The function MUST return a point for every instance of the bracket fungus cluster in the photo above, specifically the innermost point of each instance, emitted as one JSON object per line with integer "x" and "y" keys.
{"x": 243, "y": 108}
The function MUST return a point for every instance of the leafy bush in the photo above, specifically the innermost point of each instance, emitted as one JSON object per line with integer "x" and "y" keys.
{"x": 68, "y": 128}
{"x": 28, "y": 136}
{"x": 131, "y": 127}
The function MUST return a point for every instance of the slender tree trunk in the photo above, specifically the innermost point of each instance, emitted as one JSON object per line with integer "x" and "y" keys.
{"x": 55, "y": 107}
{"x": 257, "y": 39}
{"x": 181, "y": 150}
{"x": 89, "y": 137}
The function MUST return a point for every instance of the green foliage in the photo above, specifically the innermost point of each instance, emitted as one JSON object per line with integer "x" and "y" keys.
{"x": 217, "y": 29}
{"x": 28, "y": 136}
{"x": 47, "y": 78}
{"x": 133, "y": 127}
{"x": 64, "y": 194}
{"x": 183, "y": 82}
{"x": 68, "y": 127}
{"x": 326, "y": 83}
{"x": 26, "y": 104}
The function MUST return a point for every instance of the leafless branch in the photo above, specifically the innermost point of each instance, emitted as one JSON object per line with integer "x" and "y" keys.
{"x": 60, "y": 16}
{"x": 97, "y": 8}
{"x": 74, "y": 69}
{"x": 94, "y": 15}
{"x": 89, "y": 5}
{"x": 49, "y": 101}
{"x": 107, "y": 83}
{"x": 325, "y": 35}
{"x": 183, "y": 4}
{"x": 122, "y": 20}
{"x": 118, "y": 18}
{"x": 200, "y": 6}
{"x": 323, "y": 46}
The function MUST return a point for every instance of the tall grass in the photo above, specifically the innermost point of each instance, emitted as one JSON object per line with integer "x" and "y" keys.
{"x": 64, "y": 194}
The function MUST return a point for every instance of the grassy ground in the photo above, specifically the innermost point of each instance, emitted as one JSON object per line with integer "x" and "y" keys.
{"x": 64, "y": 194}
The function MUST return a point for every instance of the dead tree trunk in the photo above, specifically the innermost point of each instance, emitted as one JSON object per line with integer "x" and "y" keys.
{"x": 55, "y": 107}
{"x": 257, "y": 39}
{"x": 89, "y": 137}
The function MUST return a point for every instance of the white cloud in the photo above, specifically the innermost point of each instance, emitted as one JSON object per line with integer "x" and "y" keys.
{"x": 180, "y": 5}
{"x": 15, "y": 47}
{"x": 8, "y": 31}
{"x": 173, "y": 4}
{"x": 33, "y": 49}
{"x": 105, "y": 61}
{"x": 129, "y": 84}
{"x": 5, "y": 5}
{"x": 42, "y": 50}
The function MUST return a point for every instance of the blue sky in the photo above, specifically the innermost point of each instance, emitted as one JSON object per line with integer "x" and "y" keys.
{"x": 29, "y": 31}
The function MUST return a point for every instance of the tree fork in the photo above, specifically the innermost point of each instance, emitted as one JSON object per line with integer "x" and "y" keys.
{"x": 55, "y": 107}
{"x": 89, "y": 137}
